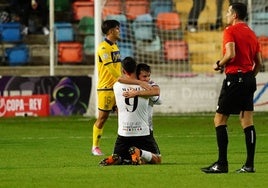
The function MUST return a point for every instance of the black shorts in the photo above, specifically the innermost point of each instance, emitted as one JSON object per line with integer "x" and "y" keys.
{"x": 123, "y": 144}
{"x": 237, "y": 93}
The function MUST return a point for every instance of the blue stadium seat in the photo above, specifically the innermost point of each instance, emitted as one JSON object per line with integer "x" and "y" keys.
{"x": 143, "y": 27}
{"x": 159, "y": 6}
{"x": 126, "y": 49}
{"x": 10, "y": 32}
{"x": 260, "y": 29}
{"x": 149, "y": 46}
{"x": 17, "y": 55}
{"x": 260, "y": 23}
{"x": 148, "y": 51}
{"x": 64, "y": 32}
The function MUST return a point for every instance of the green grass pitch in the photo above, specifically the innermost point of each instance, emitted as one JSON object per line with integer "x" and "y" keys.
{"x": 55, "y": 152}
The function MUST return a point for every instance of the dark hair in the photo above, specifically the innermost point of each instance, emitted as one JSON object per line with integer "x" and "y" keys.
{"x": 129, "y": 65}
{"x": 142, "y": 67}
{"x": 109, "y": 24}
{"x": 240, "y": 9}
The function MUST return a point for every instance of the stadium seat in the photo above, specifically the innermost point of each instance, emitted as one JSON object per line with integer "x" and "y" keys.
{"x": 260, "y": 28}
{"x": 259, "y": 16}
{"x": 133, "y": 8}
{"x": 89, "y": 45}
{"x": 176, "y": 50}
{"x": 149, "y": 46}
{"x": 82, "y": 8}
{"x": 168, "y": 21}
{"x": 70, "y": 52}
{"x": 260, "y": 23}
{"x": 160, "y": 6}
{"x": 148, "y": 51}
{"x": 263, "y": 40}
{"x": 86, "y": 25}
{"x": 169, "y": 26}
{"x": 17, "y": 55}
{"x": 61, "y": 5}
{"x": 64, "y": 32}
{"x": 143, "y": 27}
{"x": 112, "y": 7}
{"x": 126, "y": 49}
{"x": 10, "y": 32}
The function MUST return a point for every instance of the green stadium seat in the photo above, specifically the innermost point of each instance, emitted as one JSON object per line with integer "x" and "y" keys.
{"x": 61, "y": 5}
{"x": 86, "y": 26}
{"x": 89, "y": 47}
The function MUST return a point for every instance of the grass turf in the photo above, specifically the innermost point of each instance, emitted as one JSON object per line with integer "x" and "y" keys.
{"x": 55, "y": 152}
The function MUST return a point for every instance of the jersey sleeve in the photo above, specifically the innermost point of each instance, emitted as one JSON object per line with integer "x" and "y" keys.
{"x": 227, "y": 37}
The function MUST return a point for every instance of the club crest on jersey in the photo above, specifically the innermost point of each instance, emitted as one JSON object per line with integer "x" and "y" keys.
{"x": 105, "y": 56}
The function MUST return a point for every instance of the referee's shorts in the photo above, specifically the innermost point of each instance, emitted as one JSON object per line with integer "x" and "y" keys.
{"x": 237, "y": 93}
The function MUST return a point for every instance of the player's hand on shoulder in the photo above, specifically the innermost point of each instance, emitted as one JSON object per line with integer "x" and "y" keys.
{"x": 145, "y": 85}
{"x": 131, "y": 93}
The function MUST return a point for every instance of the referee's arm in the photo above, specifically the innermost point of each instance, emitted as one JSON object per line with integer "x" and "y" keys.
{"x": 258, "y": 63}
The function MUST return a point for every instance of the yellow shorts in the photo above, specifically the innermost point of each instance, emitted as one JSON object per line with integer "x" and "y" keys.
{"x": 106, "y": 100}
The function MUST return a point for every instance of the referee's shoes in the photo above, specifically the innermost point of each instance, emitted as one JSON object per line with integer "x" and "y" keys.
{"x": 215, "y": 168}
{"x": 246, "y": 169}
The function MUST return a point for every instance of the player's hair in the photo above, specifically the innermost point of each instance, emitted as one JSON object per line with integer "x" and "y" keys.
{"x": 109, "y": 24}
{"x": 240, "y": 9}
{"x": 129, "y": 65}
{"x": 142, "y": 67}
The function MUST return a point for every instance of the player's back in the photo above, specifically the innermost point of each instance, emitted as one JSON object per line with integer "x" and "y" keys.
{"x": 132, "y": 112}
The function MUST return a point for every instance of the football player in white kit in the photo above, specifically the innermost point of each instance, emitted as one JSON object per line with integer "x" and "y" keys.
{"x": 135, "y": 144}
{"x": 143, "y": 73}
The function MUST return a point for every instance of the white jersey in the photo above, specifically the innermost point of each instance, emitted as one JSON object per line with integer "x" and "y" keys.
{"x": 133, "y": 115}
{"x": 153, "y": 100}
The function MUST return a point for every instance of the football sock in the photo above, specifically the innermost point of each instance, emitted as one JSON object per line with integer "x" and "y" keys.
{"x": 97, "y": 133}
{"x": 250, "y": 138}
{"x": 222, "y": 141}
{"x": 146, "y": 155}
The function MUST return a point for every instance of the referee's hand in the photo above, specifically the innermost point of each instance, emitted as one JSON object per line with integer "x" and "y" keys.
{"x": 217, "y": 67}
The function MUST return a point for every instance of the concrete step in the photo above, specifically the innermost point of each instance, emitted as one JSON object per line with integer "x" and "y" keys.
{"x": 36, "y": 39}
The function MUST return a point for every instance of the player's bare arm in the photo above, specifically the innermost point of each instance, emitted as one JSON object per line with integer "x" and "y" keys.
{"x": 143, "y": 84}
{"x": 154, "y": 91}
{"x": 258, "y": 63}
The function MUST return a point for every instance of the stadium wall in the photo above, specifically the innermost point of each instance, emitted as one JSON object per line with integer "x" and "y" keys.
{"x": 199, "y": 93}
